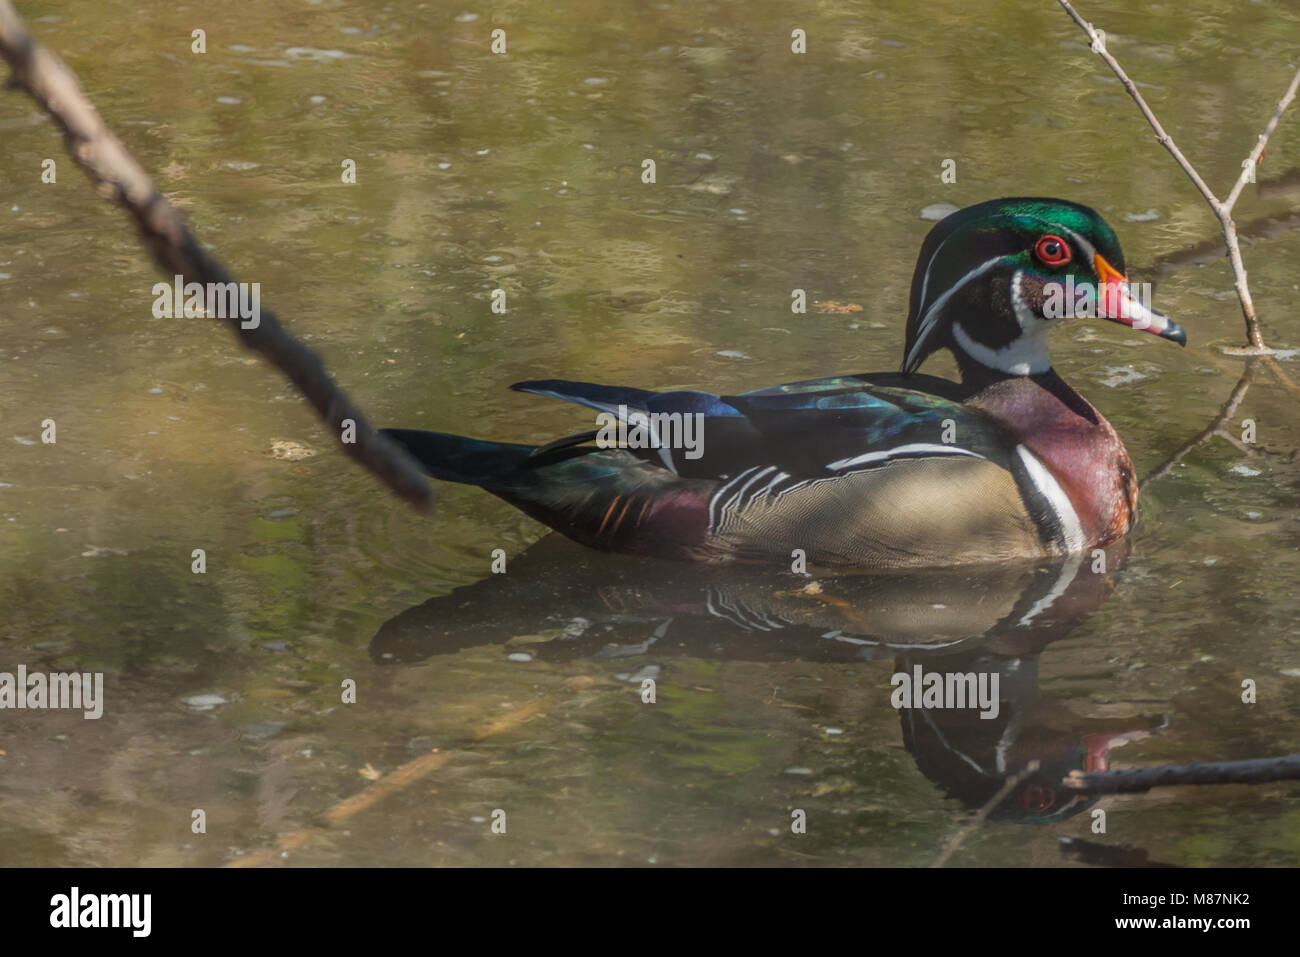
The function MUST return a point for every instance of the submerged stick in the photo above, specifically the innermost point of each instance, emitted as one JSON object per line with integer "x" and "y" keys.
{"x": 1105, "y": 855}
{"x": 1255, "y": 771}
{"x": 398, "y": 780}
{"x": 118, "y": 177}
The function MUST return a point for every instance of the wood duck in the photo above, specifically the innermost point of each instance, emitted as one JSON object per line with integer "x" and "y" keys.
{"x": 878, "y": 470}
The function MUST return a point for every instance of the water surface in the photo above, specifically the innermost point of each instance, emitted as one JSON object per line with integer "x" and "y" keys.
{"x": 522, "y": 172}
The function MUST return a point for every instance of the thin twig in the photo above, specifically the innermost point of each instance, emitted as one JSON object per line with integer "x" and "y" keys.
{"x": 1284, "y": 380}
{"x": 1222, "y": 209}
{"x": 1226, "y": 412}
{"x": 1011, "y": 783}
{"x": 118, "y": 177}
{"x": 1255, "y": 771}
{"x": 1258, "y": 151}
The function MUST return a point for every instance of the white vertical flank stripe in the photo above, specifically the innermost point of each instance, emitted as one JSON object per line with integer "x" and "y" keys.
{"x": 1051, "y": 490}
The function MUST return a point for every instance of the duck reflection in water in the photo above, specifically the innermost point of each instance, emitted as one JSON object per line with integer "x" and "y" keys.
{"x": 991, "y": 623}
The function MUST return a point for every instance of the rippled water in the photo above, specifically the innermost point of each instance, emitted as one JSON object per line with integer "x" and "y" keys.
{"x": 522, "y": 172}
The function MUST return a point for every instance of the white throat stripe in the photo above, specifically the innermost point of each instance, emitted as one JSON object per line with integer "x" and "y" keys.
{"x": 1025, "y": 355}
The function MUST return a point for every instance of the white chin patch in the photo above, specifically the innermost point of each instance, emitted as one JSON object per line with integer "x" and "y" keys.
{"x": 1026, "y": 355}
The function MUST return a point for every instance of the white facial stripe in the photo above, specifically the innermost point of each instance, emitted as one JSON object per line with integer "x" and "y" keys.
{"x": 914, "y": 448}
{"x": 1051, "y": 490}
{"x": 1024, "y": 355}
{"x": 931, "y": 317}
{"x": 1024, "y": 315}
{"x": 1088, "y": 248}
{"x": 1026, "y": 318}
{"x": 925, "y": 280}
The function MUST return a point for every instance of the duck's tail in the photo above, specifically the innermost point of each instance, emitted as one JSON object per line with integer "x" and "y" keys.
{"x": 606, "y": 498}
{"x": 458, "y": 458}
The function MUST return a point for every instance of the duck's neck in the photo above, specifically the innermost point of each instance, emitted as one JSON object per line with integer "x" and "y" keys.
{"x": 1071, "y": 438}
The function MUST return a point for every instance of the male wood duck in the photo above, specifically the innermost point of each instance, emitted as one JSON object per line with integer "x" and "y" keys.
{"x": 878, "y": 470}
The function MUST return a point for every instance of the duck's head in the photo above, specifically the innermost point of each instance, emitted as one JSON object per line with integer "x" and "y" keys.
{"x": 992, "y": 281}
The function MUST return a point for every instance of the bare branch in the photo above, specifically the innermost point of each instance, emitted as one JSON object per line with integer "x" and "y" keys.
{"x": 117, "y": 176}
{"x": 1253, "y": 160}
{"x": 1163, "y": 138}
{"x": 1221, "y": 209}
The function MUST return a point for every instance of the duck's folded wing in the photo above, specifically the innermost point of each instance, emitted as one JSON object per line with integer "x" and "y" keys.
{"x": 879, "y": 474}
{"x": 810, "y": 429}
{"x": 850, "y": 470}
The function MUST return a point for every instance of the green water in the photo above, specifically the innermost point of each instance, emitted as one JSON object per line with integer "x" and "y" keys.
{"x": 523, "y": 172}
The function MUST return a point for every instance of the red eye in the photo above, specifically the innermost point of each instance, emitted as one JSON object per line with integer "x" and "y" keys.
{"x": 1052, "y": 251}
{"x": 1036, "y": 798}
